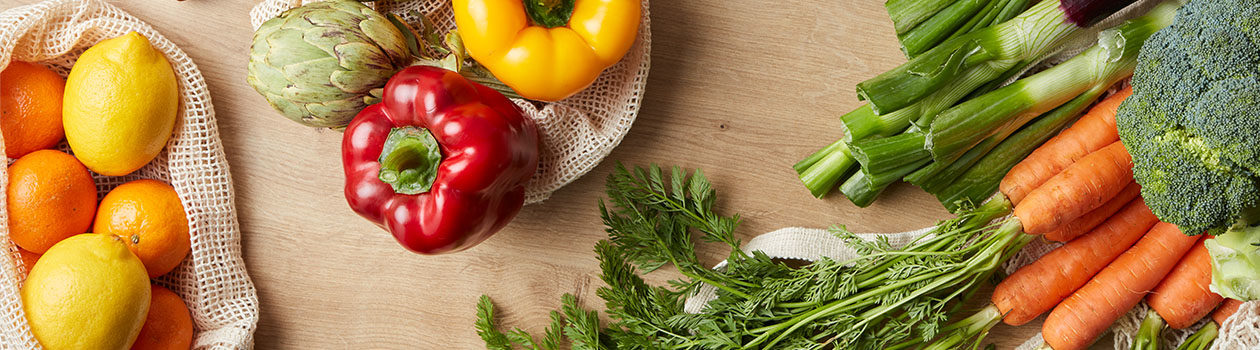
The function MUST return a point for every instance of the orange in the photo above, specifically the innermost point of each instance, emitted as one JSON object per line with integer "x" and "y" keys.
{"x": 28, "y": 259}
{"x": 51, "y": 197}
{"x": 169, "y": 325}
{"x": 149, "y": 215}
{"x": 30, "y": 108}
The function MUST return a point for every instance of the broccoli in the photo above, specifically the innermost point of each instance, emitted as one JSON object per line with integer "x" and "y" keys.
{"x": 1193, "y": 122}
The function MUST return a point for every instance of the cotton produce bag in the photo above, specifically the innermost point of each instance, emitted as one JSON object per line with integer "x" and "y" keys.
{"x": 212, "y": 279}
{"x": 577, "y": 132}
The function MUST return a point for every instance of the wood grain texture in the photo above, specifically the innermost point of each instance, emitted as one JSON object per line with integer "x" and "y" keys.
{"x": 739, "y": 88}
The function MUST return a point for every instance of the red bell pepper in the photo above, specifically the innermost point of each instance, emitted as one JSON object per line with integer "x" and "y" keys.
{"x": 441, "y": 162}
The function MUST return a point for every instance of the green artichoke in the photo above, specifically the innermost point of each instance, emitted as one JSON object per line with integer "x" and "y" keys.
{"x": 320, "y": 64}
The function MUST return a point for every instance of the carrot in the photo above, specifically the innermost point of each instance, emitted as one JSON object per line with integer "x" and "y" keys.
{"x": 1080, "y": 188}
{"x": 1183, "y": 297}
{"x": 1227, "y": 309}
{"x": 1085, "y": 315}
{"x": 1091, "y": 219}
{"x": 1095, "y": 130}
{"x": 1038, "y": 287}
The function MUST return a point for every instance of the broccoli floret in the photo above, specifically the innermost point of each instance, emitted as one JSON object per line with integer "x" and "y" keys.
{"x": 1193, "y": 122}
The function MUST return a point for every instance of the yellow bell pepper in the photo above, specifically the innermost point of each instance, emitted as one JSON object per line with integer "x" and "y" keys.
{"x": 547, "y": 50}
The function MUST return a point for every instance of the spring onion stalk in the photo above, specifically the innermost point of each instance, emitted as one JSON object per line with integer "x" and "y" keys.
{"x": 859, "y": 190}
{"x": 1201, "y": 339}
{"x": 977, "y": 182}
{"x": 957, "y": 130}
{"x": 883, "y": 155}
{"x": 937, "y": 175}
{"x": 822, "y": 171}
{"x": 1032, "y": 35}
{"x": 1147, "y": 337}
{"x": 942, "y": 24}
{"x": 863, "y": 188}
{"x": 907, "y": 14}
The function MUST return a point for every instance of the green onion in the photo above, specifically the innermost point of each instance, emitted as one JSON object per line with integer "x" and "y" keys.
{"x": 977, "y": 182}
{"x": 1032, "y": 35}
{"x": 823, "y": 170}
{"x": 958, "y": 129}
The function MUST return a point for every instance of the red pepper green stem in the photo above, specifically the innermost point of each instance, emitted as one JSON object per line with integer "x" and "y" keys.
{"x": 409, "y": 160}
{"x": 549, "y": 13}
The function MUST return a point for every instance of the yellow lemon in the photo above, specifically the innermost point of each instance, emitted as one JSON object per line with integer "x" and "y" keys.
{"x": 120, "y": 105}
{"x": 87, "y": 292}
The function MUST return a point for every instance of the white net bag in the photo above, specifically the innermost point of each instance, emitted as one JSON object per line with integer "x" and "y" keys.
{"x": 577, "y": 132}
{"x": 212, "y": 280}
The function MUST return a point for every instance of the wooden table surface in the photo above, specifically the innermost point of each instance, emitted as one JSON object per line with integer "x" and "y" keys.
{"x": 739, "y": 88}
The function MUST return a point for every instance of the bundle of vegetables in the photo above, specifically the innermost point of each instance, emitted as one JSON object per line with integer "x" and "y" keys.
{"x": 914, "y": 127}
{"x": 922, "y": 25}
{"x": 888, "y": 297}
{"x": 948, "y": 144}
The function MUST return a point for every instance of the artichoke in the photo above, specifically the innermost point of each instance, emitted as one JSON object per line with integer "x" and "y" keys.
{"x": 320, "y": 64}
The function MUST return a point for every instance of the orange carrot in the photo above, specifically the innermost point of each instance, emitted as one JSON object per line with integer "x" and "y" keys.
{"x": 1095, "y": 130}
{"x": 1183, "y": 297}
{"x": 1080, "y": 188}
{"x": 1038, "y": 287}
{"x": 1085, "y": 315}
{"x": 1091, "y": 219}
{"x": 1227, "y": 309}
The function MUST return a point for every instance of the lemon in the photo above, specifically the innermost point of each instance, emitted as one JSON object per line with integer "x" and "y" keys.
{"x": 87, "y": 292}
{"x": 120, "y": 105}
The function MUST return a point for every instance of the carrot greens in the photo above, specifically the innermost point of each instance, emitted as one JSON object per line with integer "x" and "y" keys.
{"x": 889, "y": 296}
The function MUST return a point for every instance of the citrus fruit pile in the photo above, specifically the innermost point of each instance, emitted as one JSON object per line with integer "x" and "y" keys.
{"x": 91, "y": 263}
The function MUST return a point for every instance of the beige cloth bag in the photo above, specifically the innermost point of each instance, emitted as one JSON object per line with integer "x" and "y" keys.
{"x": 212, "y": 280}
{"x": 577, "y": 132}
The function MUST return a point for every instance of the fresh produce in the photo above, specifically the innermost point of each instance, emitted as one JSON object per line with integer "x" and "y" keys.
{"x": 1183, "y": 298}
{"x": 1179, "y": 301}
{"x": 1038, "y": 287}
{"x": 1236, "y": 263}
{"x": 150, "y": 217}
{"x": 922, "y": 25}
{"x": 1088, "y": 221}
{"x": 959, "y": 69}
{"x": 888, "y": 297}
{"x": 1088, "y": 312}
{"x": 547, "y": 50}
{"x": 1082, "y": 187}
{"x": 1093, "y": 131}
{"x": 321, "y": 63}
{"x": 168, "y": 325}
{"x": 51, "y": 197}
{"x": 1228, "y": 308}
{"x": 87, "y": 292}
{"x": 964, "y": 182}
{"x": 30, "y": 108}
{"x": 121, "y": 102}
{"x": 441, "y": 163}
{"x": 28, "y": 258}
{"x": 1191, "y": 123}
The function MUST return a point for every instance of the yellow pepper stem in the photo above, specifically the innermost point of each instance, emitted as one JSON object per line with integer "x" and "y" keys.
{"x": 549, "y": 13}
